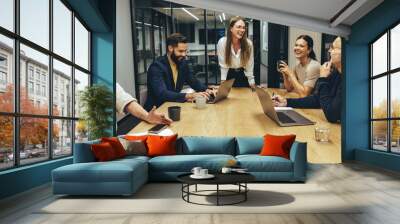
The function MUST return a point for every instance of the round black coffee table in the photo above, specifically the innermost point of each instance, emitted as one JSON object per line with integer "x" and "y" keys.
{"x": 238, "y": 179}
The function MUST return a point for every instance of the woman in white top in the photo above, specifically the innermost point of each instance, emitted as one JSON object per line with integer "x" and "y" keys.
{"x": 306, "y": 72}
{"x": 235, "y": 54}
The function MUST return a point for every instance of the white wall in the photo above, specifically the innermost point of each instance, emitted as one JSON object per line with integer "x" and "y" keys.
{"x": 293, "y": 34}
{"x": 124, "y": 54}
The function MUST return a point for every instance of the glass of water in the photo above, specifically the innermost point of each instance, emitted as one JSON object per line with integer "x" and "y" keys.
{"x": 322, "y": 134}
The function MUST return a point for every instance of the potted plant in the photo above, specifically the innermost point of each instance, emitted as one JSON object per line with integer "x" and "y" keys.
{"x": 96, "y": 103}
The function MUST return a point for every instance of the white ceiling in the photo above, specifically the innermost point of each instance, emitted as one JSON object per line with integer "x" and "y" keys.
{"x": 314, "y": 15}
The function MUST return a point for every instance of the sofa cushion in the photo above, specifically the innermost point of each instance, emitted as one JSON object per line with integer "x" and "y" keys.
{"x": 116, "y": 145}
{"x": 277, "y": 145}
{"x": 103, "y": 152}
{"x": 185, "y": 163}
{"x": 83, "y": 152}
{"x": 112, "y": 171}
{"x": 249, "y": 145}
{"x": 257, "y": 163}
{"x": 134, "y": 147}
{"x": 206, "y": 145}
{"x": 161, "y": 145}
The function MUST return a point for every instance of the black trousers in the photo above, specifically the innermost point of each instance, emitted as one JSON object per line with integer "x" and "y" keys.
{"x": 239, "y": 76}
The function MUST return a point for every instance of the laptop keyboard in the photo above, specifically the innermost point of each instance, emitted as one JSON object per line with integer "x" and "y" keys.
{"x": 284, "y": 118}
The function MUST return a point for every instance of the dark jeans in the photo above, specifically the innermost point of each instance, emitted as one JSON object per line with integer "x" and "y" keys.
{"x": 239, "y": 76}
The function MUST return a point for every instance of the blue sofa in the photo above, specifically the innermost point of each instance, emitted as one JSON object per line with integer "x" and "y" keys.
{"x": 125, "y": 176}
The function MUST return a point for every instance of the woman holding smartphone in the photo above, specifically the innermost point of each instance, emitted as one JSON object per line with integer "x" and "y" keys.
{"x": 306, "y": 72}
{"x": 235, "y": 54}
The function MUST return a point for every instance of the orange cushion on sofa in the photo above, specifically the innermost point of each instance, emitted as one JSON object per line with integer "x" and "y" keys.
{"x": 136, "y": 138}
{"x": 103, "y": 152}
{"x": 161, "y": 145}
{"x": 275, "y": 145}
{"x": 116, "y": 145}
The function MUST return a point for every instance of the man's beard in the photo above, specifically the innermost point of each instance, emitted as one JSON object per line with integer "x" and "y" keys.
{"x": 177, "y": 60}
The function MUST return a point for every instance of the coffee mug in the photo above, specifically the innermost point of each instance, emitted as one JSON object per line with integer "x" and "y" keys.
{"x": 174, "y": 113}
{"x": 196, "y": 171}
{"x": 226, "y": 170}
{"x": 200, "y": 102}
{"x": 203, "y": 172}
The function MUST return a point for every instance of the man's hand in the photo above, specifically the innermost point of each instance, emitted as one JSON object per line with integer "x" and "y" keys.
{"x": 212, "y": 91}
{"x": 325, "y": 69}
{"x": 192, "y": 96}
{"x": 279, "y": 101}
{"x": 157, "y": 118}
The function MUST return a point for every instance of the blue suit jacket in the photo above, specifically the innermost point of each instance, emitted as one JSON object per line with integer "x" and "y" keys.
{"x": 160, "y": 83}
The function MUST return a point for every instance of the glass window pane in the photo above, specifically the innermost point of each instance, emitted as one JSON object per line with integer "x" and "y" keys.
{"x": 395, "y": 95}
{"x": 62, "y": 89}
{"x": 6, "y": 74}
{"x": 62, "y": 29}
{"x": 379, "y": 56}
{"x": 81, "y": 81}
{"x": 379, "y": 97}
{"x": 81, "y": 45}
{"x": 186, "y": 25}
{"x": 6, "y": 142}
{"x": 379, "y": 135}
{"x": 62, "y": 141}
{"x": 33, "y": 140}
{"x": 34, "y": 97}
{"x": 7, "y": 14}
{"x": 35, "y": 21}
{"x": 395, "y": 138}
{"x": 81, "y": 131}
{"x": 395, "y": 47}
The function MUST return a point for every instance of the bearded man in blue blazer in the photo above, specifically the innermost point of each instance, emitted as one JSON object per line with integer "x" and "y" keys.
{"x": 167, "y": 75}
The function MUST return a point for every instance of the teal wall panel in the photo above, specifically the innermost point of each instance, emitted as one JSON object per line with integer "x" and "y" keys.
{"x": 356, "y": 126}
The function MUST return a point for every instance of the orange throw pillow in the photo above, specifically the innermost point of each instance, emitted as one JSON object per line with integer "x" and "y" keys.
{"x": 161, "y": 145}
{"x": 275, "y": 145}
{"x": 116, "y": 145}
{"x": 103, "y": 152}
{"x": 136, "y": 138}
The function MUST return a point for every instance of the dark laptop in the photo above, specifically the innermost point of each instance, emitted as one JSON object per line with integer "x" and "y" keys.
{"x": 223, "y": 91}
{"x": 127, "y": 123}
{"x": 284, "y": 118}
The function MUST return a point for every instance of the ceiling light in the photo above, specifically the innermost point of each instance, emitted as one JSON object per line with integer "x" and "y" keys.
{"x": 195, "y": 17}
{"x": 223, "y": 16}
{"x": 220, "y": 18}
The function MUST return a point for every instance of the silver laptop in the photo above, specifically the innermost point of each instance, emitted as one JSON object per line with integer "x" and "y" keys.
{"x": 222, "y": 92}
{"x": 283, "y": 118}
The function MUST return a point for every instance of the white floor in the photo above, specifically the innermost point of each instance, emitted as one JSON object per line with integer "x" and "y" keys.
{"x": 377, "y": 189}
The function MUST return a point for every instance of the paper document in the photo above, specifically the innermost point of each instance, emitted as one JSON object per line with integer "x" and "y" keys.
{"x": 164, "y": 132}
{"x": 283, "y": 108}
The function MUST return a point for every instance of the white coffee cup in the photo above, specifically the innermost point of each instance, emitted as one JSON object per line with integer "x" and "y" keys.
{"x": 203, "y": 172}
{"x": 200, "y": 102}
{"x": 196, "y": 171}
{"x": 226, "y": 170}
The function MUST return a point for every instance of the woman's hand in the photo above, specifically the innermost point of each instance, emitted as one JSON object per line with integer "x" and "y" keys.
{"x": 284, "y": 68}
{"x": 279, "y": 101}
{"x": 325, "y": 69}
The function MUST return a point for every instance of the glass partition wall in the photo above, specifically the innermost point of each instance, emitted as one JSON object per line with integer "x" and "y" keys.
{"x": 153, "y": 21}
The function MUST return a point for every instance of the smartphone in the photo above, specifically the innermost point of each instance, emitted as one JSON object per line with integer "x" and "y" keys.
{"x": 157, "y": 128}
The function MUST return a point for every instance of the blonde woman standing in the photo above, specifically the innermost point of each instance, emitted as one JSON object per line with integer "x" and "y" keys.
{"x": 235, "y": 54}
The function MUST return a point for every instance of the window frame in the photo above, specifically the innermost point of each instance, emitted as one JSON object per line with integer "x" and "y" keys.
{"x": 388, "y": 74}
{"x": 16, "y": 115}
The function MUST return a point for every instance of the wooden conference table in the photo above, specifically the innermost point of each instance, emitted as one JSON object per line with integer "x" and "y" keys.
{"x": 242, "y": 115}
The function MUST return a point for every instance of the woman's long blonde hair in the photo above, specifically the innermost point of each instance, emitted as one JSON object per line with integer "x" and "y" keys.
{"x": 244, "y": 44}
